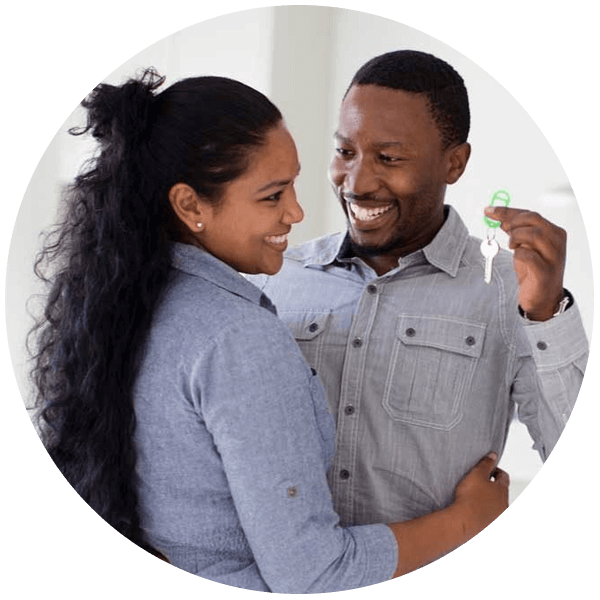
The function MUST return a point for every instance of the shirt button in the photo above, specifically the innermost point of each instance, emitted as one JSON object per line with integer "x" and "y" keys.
{"x": 344, "y": 474}
{"x": 470, "y": 341}
{"x": 313, "y": 371}
{"x": 372, "y": 289}
{"x": 542, "y": 345}
{"x": 357, "y": 342}
{"x": 292, "y": 491}
{"x": 313, "y": 327}
{"x": 349, "y": 410}
{"x": 410, "y": 332}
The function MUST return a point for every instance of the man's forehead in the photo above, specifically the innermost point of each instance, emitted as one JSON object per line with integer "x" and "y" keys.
{"x": 389, "y": 114}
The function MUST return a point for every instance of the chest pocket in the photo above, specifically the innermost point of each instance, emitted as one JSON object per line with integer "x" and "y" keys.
{"x": 307, "y": 329}
{"x": 431, "y": 369}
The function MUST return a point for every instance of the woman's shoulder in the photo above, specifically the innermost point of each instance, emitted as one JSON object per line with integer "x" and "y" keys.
{"x": 194, "y": 302}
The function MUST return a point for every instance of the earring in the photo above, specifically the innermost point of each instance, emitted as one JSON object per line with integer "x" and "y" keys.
{"x": 200, "y": 226}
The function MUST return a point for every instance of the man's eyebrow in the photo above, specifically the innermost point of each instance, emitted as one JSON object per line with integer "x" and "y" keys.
{"x": 339, "y": 137}
{"x": 390, "y": 144}
{"x": 278, "y": 182}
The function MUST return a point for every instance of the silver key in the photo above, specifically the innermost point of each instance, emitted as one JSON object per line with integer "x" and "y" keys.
{"x": 489, "y": 249}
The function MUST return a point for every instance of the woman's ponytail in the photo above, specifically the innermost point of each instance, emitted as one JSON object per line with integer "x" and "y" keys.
{"x": 119, "y": 115}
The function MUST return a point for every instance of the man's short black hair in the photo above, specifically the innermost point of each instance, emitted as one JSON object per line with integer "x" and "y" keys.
{"x": 422, "y": 73}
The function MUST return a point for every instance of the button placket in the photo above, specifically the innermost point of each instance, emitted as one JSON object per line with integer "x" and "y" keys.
{"x": 350, "y": 393}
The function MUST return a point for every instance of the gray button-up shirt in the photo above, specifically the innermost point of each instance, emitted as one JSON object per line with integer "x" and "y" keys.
{"x": 234, "y": 440}
{"x": 424, "y": 366}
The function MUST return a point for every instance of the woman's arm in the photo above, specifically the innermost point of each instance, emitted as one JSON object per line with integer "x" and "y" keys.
{"x": 260, "y": 403}
{"x": 479, "y": 498}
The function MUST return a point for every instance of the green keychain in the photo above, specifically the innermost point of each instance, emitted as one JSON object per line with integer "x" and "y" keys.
{"x": 500, "y": 196}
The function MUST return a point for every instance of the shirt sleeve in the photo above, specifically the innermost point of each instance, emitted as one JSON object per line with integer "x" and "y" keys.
{"x": 550, "y": 374}
{"x": 266, "y": 412}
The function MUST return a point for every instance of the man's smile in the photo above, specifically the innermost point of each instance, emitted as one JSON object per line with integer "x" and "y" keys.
{"x": 370, "y": 215}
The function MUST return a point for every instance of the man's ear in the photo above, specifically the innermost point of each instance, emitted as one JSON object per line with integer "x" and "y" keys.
{"x": 458, "y": 157}
{"x": 188, "y": 206}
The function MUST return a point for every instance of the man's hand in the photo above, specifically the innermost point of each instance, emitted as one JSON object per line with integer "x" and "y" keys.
{"x": 540, "y": 250}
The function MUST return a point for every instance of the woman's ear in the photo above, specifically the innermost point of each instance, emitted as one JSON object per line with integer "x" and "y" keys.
{"x": 458, "y": 157}
{"x": 188, "y": 206}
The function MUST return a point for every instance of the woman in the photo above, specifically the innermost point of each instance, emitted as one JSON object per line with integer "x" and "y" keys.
{"x": 172, "y": 398}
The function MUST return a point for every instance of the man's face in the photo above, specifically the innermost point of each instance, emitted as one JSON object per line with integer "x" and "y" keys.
{"x": 389, "y": 170}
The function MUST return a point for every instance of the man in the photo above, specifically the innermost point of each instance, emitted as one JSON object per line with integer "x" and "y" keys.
{"x": 424, "y": 362}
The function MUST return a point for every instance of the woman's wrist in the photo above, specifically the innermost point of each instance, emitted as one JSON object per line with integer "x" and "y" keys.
{"x": 427, "y": 538}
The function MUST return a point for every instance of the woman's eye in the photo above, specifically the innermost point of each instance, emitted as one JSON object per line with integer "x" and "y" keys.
{"x": 274, "y": 197}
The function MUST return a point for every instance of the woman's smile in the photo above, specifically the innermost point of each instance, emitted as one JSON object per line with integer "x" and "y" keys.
{"x": 278, "y": 241}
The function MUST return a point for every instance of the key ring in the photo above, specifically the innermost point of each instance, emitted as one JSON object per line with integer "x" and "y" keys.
{"x": 502, "y": 196}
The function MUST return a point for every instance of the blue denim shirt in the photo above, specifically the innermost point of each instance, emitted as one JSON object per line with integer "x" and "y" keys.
{"x": 234, "y": 440}
{"x": 423, "y": 366}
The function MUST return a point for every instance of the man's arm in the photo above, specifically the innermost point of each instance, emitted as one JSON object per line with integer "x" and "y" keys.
{"x": 547, "y": 384}
{"x": 553, "y": 356}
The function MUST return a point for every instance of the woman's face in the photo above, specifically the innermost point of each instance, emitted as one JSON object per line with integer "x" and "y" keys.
{"x": 248, "y": 229}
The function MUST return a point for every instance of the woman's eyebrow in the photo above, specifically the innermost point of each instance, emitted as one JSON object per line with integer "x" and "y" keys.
{"x": 279, "y": 182}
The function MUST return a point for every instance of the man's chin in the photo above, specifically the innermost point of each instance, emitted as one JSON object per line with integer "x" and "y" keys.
{"x": 362, "y": 249}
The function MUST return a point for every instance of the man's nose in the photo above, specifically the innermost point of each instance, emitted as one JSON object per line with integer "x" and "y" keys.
{"x": 360, "y": 177}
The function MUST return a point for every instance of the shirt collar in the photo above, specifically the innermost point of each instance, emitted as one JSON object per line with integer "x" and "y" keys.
{"x": 199, "y": 263}
{"x": 444, "y": 251}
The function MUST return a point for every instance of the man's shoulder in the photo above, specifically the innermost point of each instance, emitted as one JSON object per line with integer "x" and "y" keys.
{"x": 323, "y": 248}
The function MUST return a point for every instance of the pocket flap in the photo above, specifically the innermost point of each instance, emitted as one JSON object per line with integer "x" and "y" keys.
{"x": 305, "y": 325}
{"x": 443, "y": 332}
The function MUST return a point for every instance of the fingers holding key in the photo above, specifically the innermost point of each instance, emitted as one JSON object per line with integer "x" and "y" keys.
{"x": 539, "y": 258}
{"x": 530, "y": 229}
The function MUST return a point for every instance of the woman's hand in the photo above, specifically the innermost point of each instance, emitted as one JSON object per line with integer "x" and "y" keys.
{"x": 481, "y": 496}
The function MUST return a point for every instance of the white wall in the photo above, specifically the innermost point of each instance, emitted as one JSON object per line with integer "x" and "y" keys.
{"x": 304, "y": 57}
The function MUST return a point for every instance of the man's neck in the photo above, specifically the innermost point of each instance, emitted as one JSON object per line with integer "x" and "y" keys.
{"x": 383, "y": 263}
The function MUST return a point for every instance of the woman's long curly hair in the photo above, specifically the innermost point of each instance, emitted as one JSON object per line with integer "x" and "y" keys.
{"x": 107, "y": 262}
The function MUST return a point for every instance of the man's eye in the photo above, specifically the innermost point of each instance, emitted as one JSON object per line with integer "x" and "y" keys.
{"x": 389, "y": 159}
{"x": 344, "y": 152}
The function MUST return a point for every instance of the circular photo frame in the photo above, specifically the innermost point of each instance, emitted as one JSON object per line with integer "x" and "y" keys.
{"x": 526, "y": 134}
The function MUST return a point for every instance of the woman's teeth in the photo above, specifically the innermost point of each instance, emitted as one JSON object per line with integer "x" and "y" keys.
{"x": 368, "y": 214}
{"x": 277, "y": 239}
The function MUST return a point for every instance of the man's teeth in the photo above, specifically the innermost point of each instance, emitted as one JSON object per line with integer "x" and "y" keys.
{"x": 368, "y": 214}
{"x": 277, "y": 239}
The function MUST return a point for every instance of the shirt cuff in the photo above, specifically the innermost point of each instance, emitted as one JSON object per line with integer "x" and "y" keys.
{"x": 557, "y": 342}
{"x": 381, "y": 550}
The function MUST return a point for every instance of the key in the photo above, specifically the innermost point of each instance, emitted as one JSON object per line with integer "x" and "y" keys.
{"x": 489, "y": 249}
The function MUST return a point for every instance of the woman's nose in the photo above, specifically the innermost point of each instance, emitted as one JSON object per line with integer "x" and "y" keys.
{"x": 293, "y": 210}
